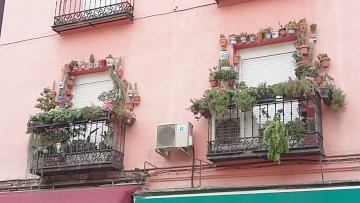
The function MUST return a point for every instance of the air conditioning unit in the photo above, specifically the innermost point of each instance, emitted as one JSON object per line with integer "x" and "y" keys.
{"x": 174, "y": 135}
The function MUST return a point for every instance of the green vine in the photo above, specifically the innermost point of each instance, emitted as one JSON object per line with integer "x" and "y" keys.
{"x": 275, "y": 137}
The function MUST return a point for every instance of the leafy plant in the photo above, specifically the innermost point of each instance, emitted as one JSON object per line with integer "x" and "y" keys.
{"x": 243, "y": 34}
{"x": 275, "y": 137}
{"x": 224, "y": 63}
{"x": 302, "y": 70}
{"x": 245, "y": 99}
{"x": 218, "y": 100}
{"x": 321, "y": 56}
{"x": 297, "y": 56}
{"x": 291, "y": 25}
{"x": 212, "y": 74}
{"x": 264, "y": 91}
{"x": 296, "y": 128}
{"x": 196, "y": 105}
{"x": 267, "y": 30}
{"x": 92, "y": 58}
{"x": 46, "y": 101}
{"x": 338, "y": 99}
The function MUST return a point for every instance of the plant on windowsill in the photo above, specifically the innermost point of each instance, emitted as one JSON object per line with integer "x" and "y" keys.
{"x": 268, "y": 32}
{"x": 324, "y": 60}
{"x": 233, "y": 39}
{"x": 243, "y": 37}
{"x": 291, "y": 27}
{"x": 252, "y": 38}
{"x": 276, "y": 139}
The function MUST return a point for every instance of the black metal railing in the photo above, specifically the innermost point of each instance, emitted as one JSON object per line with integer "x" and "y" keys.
{"x": 71, "y": 14}
{"x": 82, "y": 145}
{"x": 240, "y": 134}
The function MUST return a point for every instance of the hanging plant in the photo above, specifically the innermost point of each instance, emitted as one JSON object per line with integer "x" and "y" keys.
{"x": 275, "y": 137}
{"x": 219, "y": 100}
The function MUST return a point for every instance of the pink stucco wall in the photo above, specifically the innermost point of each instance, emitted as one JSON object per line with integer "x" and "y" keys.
{"x": 168, "y": 54}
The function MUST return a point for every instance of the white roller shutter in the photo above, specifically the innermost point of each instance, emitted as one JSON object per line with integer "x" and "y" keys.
{"x": 272, "y": 64}
{"x": 88, "y": 87}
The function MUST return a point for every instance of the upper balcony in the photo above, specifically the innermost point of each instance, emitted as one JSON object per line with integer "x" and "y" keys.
{"x": 75, "y": 14}
{"x": 240, "y": 135}
{"x": 95, "y": 144}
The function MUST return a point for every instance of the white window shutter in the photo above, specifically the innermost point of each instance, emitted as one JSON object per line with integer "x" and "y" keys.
{"x": 89, "y": 87}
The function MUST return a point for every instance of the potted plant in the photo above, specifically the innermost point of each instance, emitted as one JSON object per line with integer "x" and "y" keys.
{"x": 130, "y": 91}
{"x": 324, "y": 60}
{"x": 229, "y": 76}
{"x": 302, "y": 24}
{"x": 313, "y": 31}
{"x": 267, "y": 32}
{"x": 276, "y": 139}
{"x": 91, "y": 61}
{"x": 128, "y": 118}
{"x": 199, "y": 108}
{"x": 245, "y": 99}
{"x": 326, "y": 92}
{"x": 299, "y": 58}
{"x": 338, "y": 99}
{"x": 282, "y": 31}
{"x": 218, "y": 100}
{"x": 243, "y": 37}
{"x": 275, "y": 33}
{"x": 213, "y": 77}
{"x": 236, "y": 58}
{"x": 264, "y": 93}
{"x": 260, "y": 35}
{"x": 136, "y": 97}
{"x": 233, "y": 39}
{"x": 291, "y": 27}
{"x": 222, "y": 41}
{"x": 110, "y": 61}
{"x": 252, "y": 37}
{"x": 225, "y": 65}
{"x": 296, "y": 129}
{"x": 301, "y": 42}
{"x": 302, "y": 70}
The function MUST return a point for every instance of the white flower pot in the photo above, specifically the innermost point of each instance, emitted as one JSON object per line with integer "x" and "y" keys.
{"x": 275, "y": 34}
{"x": 243, "y": 39}
{"x": 225, "y": 68}
{"x": 268, "y": 35}
{"x": 292, "y": 31}
{"x": 252, "y": 38}
{"x": 233, "y": 40}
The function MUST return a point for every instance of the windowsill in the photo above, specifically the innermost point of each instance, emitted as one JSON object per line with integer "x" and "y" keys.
{"x": 88, "y": 71}
{"x": 249, "y": 44}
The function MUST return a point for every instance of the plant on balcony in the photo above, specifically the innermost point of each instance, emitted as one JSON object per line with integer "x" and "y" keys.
{"x": 199, "y": 107}
{"x": 233, "y": 39}
{"x": 296, "y": 129}
{"x": 245, "y": 99}
{"x": 264, "y": 92}
{"x": 338, "y": 100}
{"x": 302, "y": 70}
{"x": 47, "y": 100}
{"x": 224, "y": 65}
{"x": 276, "y": 139}
{"x": 218, "y": 100}
{"x": 228, "y": 76}
{"x": 324, "y": 60}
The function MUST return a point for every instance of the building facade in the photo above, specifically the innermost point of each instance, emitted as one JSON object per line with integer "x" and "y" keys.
{"x": 293, "y": 137}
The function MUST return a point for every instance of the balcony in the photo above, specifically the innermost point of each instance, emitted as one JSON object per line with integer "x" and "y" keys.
{"x": 76, "y": 14}
{"x": 78, "y": 147}
{"x": 239, "y": 135}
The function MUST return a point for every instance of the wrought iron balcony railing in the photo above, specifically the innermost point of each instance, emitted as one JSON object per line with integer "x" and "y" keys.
{"x": 240, "y": 134}
{"x": 77, "y": 147}
{"x": 72, "y": 14}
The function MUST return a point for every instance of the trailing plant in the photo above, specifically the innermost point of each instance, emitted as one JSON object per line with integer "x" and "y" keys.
{"x": 245, "y": 99}
{"x": 302, "y": 70}
{"x": 275, "y": 137}
{"x": 264, "y": 91}
{"x": 46, "y": 101}
{"x": 196, "y": 105}
{"x": 218, "y": 100}
{"x": 338, "y": 100}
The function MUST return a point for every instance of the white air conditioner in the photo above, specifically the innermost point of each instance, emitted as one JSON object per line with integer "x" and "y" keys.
{"x": 174, "y": 135}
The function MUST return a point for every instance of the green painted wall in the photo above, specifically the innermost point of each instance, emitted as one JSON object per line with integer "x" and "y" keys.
{"x": 320, "y": 196}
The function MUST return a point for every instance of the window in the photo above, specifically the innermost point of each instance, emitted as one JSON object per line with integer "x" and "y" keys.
{"x": 271, "y": 64}
{"x": 88, "y": 87}
{"x": 2, "y": 4}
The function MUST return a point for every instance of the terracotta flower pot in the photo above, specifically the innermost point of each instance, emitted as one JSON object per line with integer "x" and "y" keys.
{"x": 236, "y": 59}
{"x": 319, "y": 79}
{"x": 304, "y": 49}
{"x": 136, "y": 99}
{"x": 213, "y": 83}
{"x": 223, "y": 42}
{"x": 103, "y": 63}
{"x": 260, "y": 36}
{"x": 282, "y": 32}
{"x": 130, "y": 105}
{"x": 325, "y": 62}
